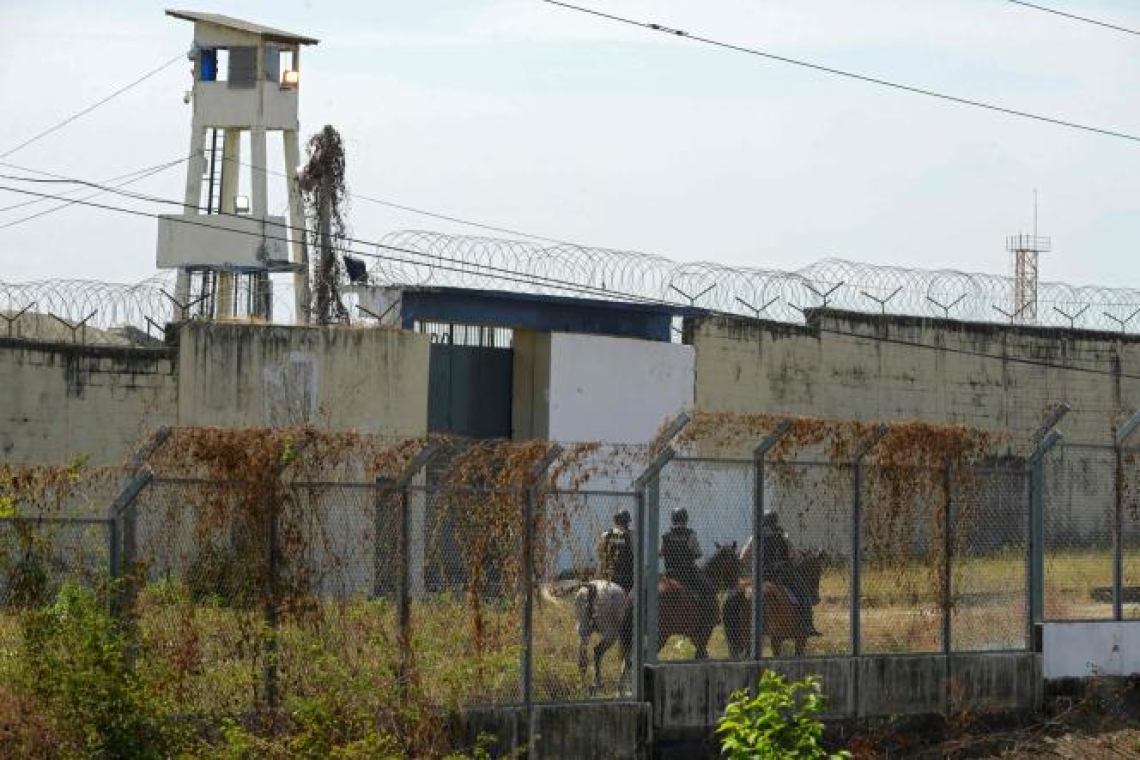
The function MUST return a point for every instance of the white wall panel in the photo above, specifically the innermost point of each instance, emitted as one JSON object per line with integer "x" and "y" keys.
{"x": 615, "y": 390}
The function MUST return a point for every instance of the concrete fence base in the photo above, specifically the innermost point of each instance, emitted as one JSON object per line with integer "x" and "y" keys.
{"x": 686, "y": 699}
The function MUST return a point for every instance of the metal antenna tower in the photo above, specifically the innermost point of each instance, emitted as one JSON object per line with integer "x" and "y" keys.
{"x": 1026, "y": 250}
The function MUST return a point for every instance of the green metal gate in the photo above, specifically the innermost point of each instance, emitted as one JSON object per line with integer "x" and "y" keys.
{"x": 469, "y": 391}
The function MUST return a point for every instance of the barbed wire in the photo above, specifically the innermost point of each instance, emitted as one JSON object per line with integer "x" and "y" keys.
{"x": 769, "y": 293}
{"x": 464, "y": 261}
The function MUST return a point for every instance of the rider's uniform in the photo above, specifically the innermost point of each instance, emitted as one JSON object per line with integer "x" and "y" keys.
{"x": 615, "y": 555}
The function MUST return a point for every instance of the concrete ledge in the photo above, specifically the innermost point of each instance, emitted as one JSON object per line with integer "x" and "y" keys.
{"x": 693, "y": 695}
{"x": 996, "y": 682}
{"x": 686, "y": 699}
{"x": 575, "y": 730}
{"x": 901, "y": 685}
{"x": 837, "y": 678}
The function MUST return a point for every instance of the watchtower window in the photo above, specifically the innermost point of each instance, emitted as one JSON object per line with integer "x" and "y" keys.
{"x": 287, "y": 68}
{"x": 213, "y": 64}
{"x": 243, "y": 67}
{"x": 272, "y": 63}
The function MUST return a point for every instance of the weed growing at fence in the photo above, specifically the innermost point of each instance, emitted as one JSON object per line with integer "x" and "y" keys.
{"x": 76, "y": 670}
{"x": 780, "y": 720}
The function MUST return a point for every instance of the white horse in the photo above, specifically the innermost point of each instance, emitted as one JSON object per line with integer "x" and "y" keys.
{"x": 599, "y": 606}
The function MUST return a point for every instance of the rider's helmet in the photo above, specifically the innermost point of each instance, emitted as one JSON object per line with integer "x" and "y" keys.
{"x": 680, "y": 516}
{"x": 771, "y": 520}
{"x": 622, "y": 518}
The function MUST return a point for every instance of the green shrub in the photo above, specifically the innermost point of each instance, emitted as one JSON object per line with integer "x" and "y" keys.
{"x": 76, "y": 668}
{"x": 780, "y": 721}
{"x": 226, "y": 576}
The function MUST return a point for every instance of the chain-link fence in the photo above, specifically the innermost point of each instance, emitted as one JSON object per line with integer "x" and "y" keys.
{"x": 554, "y": 587}
{"x": 1092, "y": 533}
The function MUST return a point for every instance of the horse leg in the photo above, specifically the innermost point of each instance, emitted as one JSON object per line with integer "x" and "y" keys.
{"x": 800, "y": 645}
{"x": 600, "y": 652}
{"x": 777, "y": 645}
{"x": 701, "y": 645}
{"x": 583, "y": 665}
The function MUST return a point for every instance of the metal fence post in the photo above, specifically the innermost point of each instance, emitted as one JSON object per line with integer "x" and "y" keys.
{"x": 403, "y": 587}
{"x": 270, "y": 674}
{"x": 1126, "y": 431}
{"x": 758, "y": 504}
{"x": 394, "y": 491}
{"x": 856, "y": 599}
{"x": 381, "y": 523}
{"x": 114, "y": 559}
{"x": 947, "y": 559}
{"x": 651, "y": 631}
{"x": 647, "y": 493}
{"x": 529, "y": 505}
{"x": 647, "y": 488}
{"x": 1037, "y": 533}
{"x": 124, "y": 517}
{"x": 637, "y": 595}
{"x": 1118, "y": 534}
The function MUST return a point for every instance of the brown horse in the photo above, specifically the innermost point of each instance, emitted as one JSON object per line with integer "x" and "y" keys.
{"x": 783, "y": 618}
{"x": 689, "y": 609}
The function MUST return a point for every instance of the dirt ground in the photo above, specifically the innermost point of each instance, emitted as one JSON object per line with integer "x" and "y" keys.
{"x": 1102, "y": 721}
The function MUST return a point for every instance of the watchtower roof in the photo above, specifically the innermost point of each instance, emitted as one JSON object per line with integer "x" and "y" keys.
{"x": 265, "y": 32}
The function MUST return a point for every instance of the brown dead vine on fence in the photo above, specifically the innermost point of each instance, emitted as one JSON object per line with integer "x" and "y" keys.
{"x": 913, "y": 473}
{"x": 482, "y": 496}
{"x": 35, "y": 554}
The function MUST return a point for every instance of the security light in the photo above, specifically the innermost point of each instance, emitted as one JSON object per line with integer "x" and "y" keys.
{"x": 241, "y": 204}
{"x": 290, "y": 78}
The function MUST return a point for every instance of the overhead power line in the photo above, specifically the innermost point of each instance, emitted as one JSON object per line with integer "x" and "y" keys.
{"x": 852, "y": 75}
{"x": 509, "y": 275}
{"x": 1075, "y": 17}
{"x": 422, "y": 259}
{"x": 60, "y": 125}
{"x": 57, "y": 179}
{"x": 123, "y": 180}
{"x": 424, "y": 212}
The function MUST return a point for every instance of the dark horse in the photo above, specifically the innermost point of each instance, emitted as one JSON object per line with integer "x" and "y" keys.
{"x": 782, "y": 617}
{"x": 688, "y": 609}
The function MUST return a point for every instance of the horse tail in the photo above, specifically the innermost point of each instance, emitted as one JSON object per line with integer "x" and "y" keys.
{"x": 591, "y": 605}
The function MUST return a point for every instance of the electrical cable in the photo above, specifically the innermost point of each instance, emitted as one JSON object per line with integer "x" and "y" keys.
{"x": 566, "y": 285}
{"x": 852, "y": 75}
{"x": 420, "y": 211}
{"x": 120, "y": 178}
{"x": 433, "y": 261}
{"x": 1075, "y": 17}
{"x": 538, "y": 279}
{"x": 142, "y": 174}
{"x": 92, "y": 107}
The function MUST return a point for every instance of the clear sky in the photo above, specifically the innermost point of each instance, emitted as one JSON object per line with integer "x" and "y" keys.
{"x": 524, "y": 115}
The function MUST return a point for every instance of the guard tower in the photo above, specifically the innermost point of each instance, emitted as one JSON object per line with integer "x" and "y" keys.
{"x": 1026, "y": 250}
{"x": 225, "y": 243}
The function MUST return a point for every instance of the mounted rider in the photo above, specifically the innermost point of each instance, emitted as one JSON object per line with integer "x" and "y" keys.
{"x": 680, "y": 548}
{"x": 776, "y": 559}
{"x": 615, "y": 552}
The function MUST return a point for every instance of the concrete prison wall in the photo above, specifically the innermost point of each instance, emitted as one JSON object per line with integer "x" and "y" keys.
{"x": 60, "y": 401}
{"x": 859, "y": 366}
{"x": 994, "y": 377}
{"x": 368, "y": 380}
